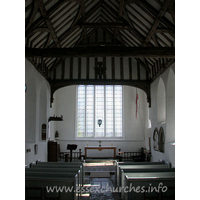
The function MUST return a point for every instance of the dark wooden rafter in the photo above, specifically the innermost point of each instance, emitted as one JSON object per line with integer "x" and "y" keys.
{"x": 152, "y": 31}
{"x": 156, "y": 22}
{"x": 76, "y": 26}
{"x": 121, "y": 7}
{"x": 33, "y": 14}
{"x": 146, "y": 7}
{"x": 167, "y": 65}
{"x": 130, "y": 68}
{"x": 113, "y": 68}
{"x": 84, "y": 19}
{"x": 121, "y": 19}
{"x": 46, "y": 44}
{"x": 84, "y": 41}
{"x": 138, "y": 70}
{"x": 172, "y": 10}
{"x": 140, "y": 25}
{"x": 65, "y": 21}
{"x": 152, "y": 11}
{"x": 104, "y": 25}
{"x": 71, "y": 69}
{"x": 96, "y": 66}
{"x": 85, "y": 36}
{"x": 155, "y": 40}
{"x": 63, "y": 70}
{"x": 121, "y": 69}
{"x": 148, "y": 38}
{"x": 104, "y": 65}
{"x": 87, "y": 68}
{"x": 120, "y": 11}
{"x": 165, "y": 30}
{"x": 41, "y": 19}
{"x": 48, "y": 22}
{"x": 78, "y": 15}
{"x": 137, "y": 52}
{"x": 79, "y": 68}
{"x": 106, "y": 15}
{"x": 141, "y": 63}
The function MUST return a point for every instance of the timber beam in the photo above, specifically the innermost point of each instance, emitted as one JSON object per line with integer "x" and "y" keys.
{"x": 104, "y": 25}
{"x": 142, "y": 84}
{"x": 137, "y": 52}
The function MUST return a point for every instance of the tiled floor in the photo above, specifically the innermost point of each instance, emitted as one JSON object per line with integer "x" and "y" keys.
{"x": 100, "y": 188}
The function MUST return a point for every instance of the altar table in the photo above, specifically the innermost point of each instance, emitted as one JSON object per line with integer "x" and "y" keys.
{"x": 100, "y": 149}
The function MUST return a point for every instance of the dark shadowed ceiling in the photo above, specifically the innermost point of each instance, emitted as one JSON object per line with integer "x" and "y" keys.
{"x": 143, "y": 30}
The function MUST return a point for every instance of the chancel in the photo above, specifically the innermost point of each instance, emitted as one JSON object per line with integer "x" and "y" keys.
{"x": 108, "y": 69}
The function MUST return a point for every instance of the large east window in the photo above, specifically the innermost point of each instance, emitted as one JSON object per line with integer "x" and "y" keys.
{"x": 99, "y": 103}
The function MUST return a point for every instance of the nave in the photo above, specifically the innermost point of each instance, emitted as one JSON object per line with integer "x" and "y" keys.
{"x": 101, "y": 179}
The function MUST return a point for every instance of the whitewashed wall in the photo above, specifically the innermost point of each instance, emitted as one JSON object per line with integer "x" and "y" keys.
{"x": 169, "y": 126}
{"x": 37, "y": 108}
{"x": 134, "y": 129}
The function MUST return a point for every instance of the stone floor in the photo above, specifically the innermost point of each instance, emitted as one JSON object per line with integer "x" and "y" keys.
{"x": 100, "y": 188}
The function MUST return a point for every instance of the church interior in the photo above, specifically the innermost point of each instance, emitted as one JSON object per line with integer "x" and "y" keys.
{"x": 100, "y": 96}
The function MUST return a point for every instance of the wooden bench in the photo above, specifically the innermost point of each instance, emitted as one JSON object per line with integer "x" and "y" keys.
{"x": 58, "y": 170}
{"x": 120, "y": 164}
{"x": 137, "y": 167}
{"x": 144, "y": 170}
{"x": 69, "y": 173}
{"x": 62, "y": 182}
{"x": 143, "y": 183}
{"x": 62, "y": 168}
{"x": 60, "y": 163}
{"x": 68, "y": 165}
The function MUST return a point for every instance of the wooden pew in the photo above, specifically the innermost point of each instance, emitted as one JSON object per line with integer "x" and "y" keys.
{"x": 143, "y": 183}
{"x": 62, "y": 182}
{"x": 143, "y": 171}
{"x": 134, "y": 163}
{"x": 138, "y": 164}
{"x": 68, "y": 165}
{"x": 57, "y": 170}
{"x": 63, "y": 167}
{"x": 59, "y": 163}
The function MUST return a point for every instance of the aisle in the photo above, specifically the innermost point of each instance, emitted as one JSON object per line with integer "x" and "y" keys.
{"x": 100, "y": 188}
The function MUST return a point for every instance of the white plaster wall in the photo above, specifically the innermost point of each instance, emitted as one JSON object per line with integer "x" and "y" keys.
{"x": 134, "y": 129}
{"x": 169, "y": 126}
{"x": 37, "y": 107}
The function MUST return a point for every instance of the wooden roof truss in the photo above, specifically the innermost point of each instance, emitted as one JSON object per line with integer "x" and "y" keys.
{"x": 143, "y": 29}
